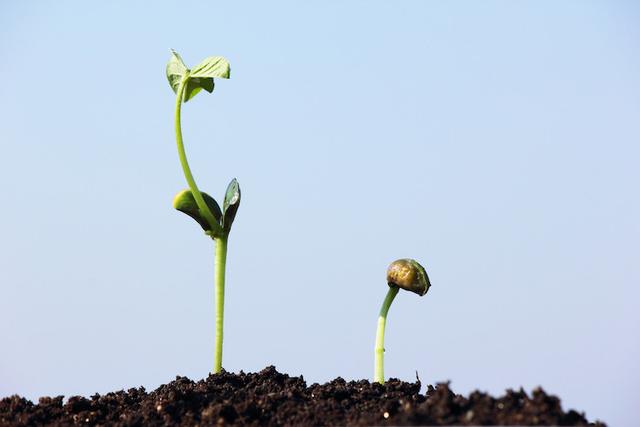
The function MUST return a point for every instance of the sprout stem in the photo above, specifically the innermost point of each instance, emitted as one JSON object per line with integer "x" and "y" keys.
{"x": 220, "y": 265}
{"x": 378, "y": 374}
{"x": 216, "y": 232}
{"x": 204, "y": 209}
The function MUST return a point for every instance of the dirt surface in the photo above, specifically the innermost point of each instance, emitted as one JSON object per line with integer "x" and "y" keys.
{"x": 271, "y": 398}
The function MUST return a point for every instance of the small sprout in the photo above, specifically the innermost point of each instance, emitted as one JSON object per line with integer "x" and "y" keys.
{"x": 405, "y": 274}
{"x": 203, "y": 208}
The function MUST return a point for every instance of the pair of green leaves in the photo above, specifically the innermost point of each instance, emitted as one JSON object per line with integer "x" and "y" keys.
{"x": 186, "y": 203}
{"x": 201, "y": 77}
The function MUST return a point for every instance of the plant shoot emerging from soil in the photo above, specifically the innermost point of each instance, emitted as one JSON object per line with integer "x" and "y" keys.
{"x": 409, "y": 275}
{"x": 197, "y": 204}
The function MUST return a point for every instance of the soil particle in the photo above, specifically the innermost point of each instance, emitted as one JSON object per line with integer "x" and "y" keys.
{"x": 269, "y": 398}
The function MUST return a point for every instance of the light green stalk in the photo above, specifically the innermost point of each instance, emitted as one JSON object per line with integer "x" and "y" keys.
{"x": 204, "y": 209}
{"x": 220, "y": 238}
{"x": 378, "y": 374}
{"x": 221, "y": 261}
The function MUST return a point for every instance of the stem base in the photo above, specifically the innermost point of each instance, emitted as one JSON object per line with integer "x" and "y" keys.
{"x": 378, "y": 374}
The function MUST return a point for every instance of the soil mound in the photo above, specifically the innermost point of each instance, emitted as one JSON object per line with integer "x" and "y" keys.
{"x": 269, "y": 398}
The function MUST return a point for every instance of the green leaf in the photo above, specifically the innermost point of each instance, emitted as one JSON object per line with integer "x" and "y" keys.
{"x": 194, "y": 85}
{"x": 175, "y": 70}
{"x": 213, "y": 66}
{"x": 186, "y": 203}
{"x": 231, "y": 204}
{"x": 201, "y": 77}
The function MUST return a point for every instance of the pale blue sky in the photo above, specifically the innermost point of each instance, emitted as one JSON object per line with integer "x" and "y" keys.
{"x": 495, "y": 142}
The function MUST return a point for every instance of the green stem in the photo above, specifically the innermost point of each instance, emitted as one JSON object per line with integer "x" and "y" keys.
{"x": 378, "y": 374}
{"x": 204, "y": 209}
{"x": 221, "y": 261}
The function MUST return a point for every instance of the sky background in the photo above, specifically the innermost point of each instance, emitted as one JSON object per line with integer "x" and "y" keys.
{"x": 495, "y": 142}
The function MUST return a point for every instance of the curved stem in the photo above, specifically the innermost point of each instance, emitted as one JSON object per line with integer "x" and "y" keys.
{"x": 221, "y": 261}
{"x": 378, "y": 374}
{"x": 204, "y": 209}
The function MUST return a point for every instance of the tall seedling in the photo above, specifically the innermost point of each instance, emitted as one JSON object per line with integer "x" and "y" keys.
{"x": 197, "y": 204}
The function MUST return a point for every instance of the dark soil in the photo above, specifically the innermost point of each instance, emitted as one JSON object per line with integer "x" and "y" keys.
{"x": 270, "y": 398}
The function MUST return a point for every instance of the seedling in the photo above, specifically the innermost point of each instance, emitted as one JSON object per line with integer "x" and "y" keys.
{"x": 409, "y": 275}
{"x": 197, "y": 204}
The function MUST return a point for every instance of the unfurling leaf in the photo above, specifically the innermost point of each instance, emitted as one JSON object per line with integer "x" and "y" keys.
{"x": 186, "y": 203}
{"x": 213, "y": 66}
{"x": 201, "y": 77}
{"x": 195, "y": 84}
{"x": 175, "y": 70}
{"x": 231, "y": 204}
